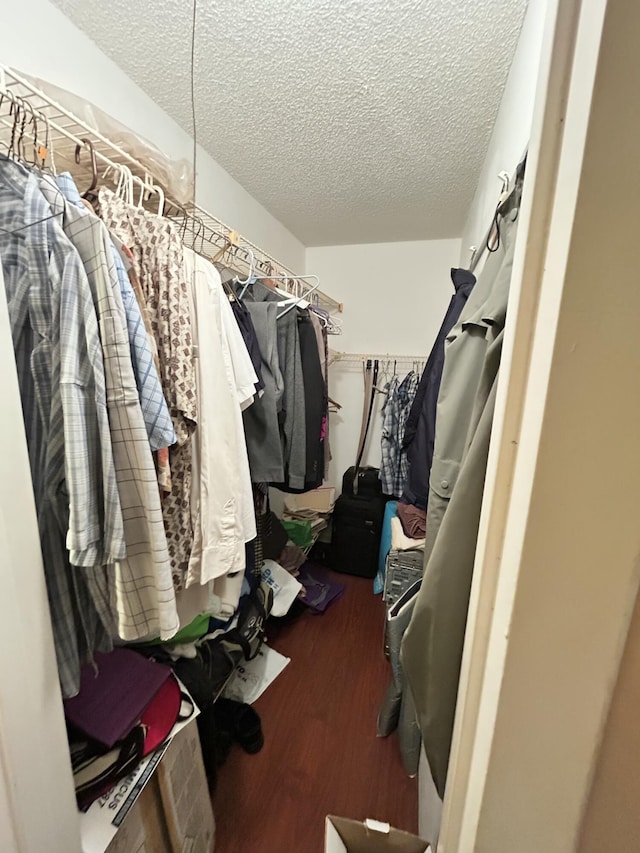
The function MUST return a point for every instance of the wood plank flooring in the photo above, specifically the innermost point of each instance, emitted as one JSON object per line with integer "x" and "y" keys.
{"x": 321, "y": 754}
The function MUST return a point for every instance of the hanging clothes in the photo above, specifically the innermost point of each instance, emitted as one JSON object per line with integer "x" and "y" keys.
{"x": 394, "y": 465}
{"x": 291, "y": 414}
{"x": 323, "y": 353}
{"x": 419, "y": 435}
{"x": 162, "y": 453}
{"x": 108, "y": 375}
{"x": 159, "y": 257}
{"x": 62, "y": 385}
{"x": 433, "y": 643}
{"x": 218, "y": 514}
{"x": 261, "y": 425}
{"x": 387, "y": 441}
{"x": 248, "y": 332}
{"x": 315, "y": 401}
{"x": 141, "y": 347}
{"x": 242, "y": 377}
{"x": 145, "y": 598}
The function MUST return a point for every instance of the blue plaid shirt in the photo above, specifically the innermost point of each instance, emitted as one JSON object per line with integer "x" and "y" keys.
{"x": 62, "y": 385}
{"x": 394, "y": 466}
{"x": 155, "y": 412}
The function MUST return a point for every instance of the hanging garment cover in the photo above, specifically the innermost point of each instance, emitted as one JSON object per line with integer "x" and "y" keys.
{"x": 62, "y": 385}
{"x": 420, "y": 429}
{"x": 433, "y": 643}
{"x": 261, "y": 420}
{"x": 217, "y": 487}
{"x": 145, "y": 598}
{"x": 158, "y": 253}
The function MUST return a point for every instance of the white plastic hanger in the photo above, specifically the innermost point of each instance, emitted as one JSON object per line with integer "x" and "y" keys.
{"x": 250, "y": 277}
{"x": 300, "y": 301}
{"x": 149, "y": 187}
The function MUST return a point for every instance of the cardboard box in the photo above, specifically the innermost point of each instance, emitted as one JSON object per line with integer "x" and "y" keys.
{"x": 144, "y": 828}
{"x": 372, "y": 836}
{"x": 319, "y": 500}
{"x": 185, "y": 796}
{"x": 173, "y": 812}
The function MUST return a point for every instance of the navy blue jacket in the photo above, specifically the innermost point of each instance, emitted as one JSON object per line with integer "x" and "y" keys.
{"x": 420, "y": 431}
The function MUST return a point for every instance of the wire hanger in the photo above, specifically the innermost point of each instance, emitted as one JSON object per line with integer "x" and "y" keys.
{"x": 46, "y": 151}
{"x": 94, "y": 166}
{"x": 19, "y": 232}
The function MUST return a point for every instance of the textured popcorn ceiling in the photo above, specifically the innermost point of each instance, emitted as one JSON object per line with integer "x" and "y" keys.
{"x": 350, "y": 120}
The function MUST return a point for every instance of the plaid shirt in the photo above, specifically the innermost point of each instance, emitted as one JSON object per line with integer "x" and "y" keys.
{"x": 62, "y": 385}
{"x": 394, "y": 467}
{"x": 154, "y": 406}
{"x": 146, "y": 602}
{"x": 159, "y": 258}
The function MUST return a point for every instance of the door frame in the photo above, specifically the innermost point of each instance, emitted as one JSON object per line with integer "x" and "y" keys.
{"x": 505, "y": 784}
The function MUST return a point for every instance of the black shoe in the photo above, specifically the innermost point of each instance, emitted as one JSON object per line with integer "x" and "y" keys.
{"x": 242, "y": 722}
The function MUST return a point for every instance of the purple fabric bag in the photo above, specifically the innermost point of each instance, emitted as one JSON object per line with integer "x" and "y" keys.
{"x": 111, "y": 700}
{"x": 320, "y": 590}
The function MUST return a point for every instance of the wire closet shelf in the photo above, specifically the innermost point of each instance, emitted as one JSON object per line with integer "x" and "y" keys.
{"x": 50, "y": 133}
{"x": 359, "y": 357}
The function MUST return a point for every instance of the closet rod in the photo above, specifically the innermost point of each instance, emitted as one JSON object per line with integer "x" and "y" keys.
{"x": 365, "y": 356}
{"x": 59, "y": 131}
{"x": 207, "y": 231}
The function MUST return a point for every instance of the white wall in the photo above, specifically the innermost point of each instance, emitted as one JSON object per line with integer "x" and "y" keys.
{"x": 38, "y": 39}
{"x": 395, "y": 296}
{"x": 512, "y": 127}
{"x": 37, "y": 803}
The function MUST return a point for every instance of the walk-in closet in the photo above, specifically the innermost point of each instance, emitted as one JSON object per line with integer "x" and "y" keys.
{"x": 319, "y": 523}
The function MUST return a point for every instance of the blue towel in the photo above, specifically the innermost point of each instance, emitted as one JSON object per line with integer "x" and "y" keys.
{"x": 385, "y": 545}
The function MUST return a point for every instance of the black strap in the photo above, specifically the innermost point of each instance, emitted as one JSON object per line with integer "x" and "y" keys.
{"x": 370, "y": 393}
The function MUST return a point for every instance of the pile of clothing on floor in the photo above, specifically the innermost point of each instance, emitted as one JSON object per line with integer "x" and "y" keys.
{"x": 289, "y": 585}
{"x": 131, "y": 698}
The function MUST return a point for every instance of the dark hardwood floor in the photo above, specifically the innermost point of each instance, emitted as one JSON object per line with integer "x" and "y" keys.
{"x": 321, "y": 754}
